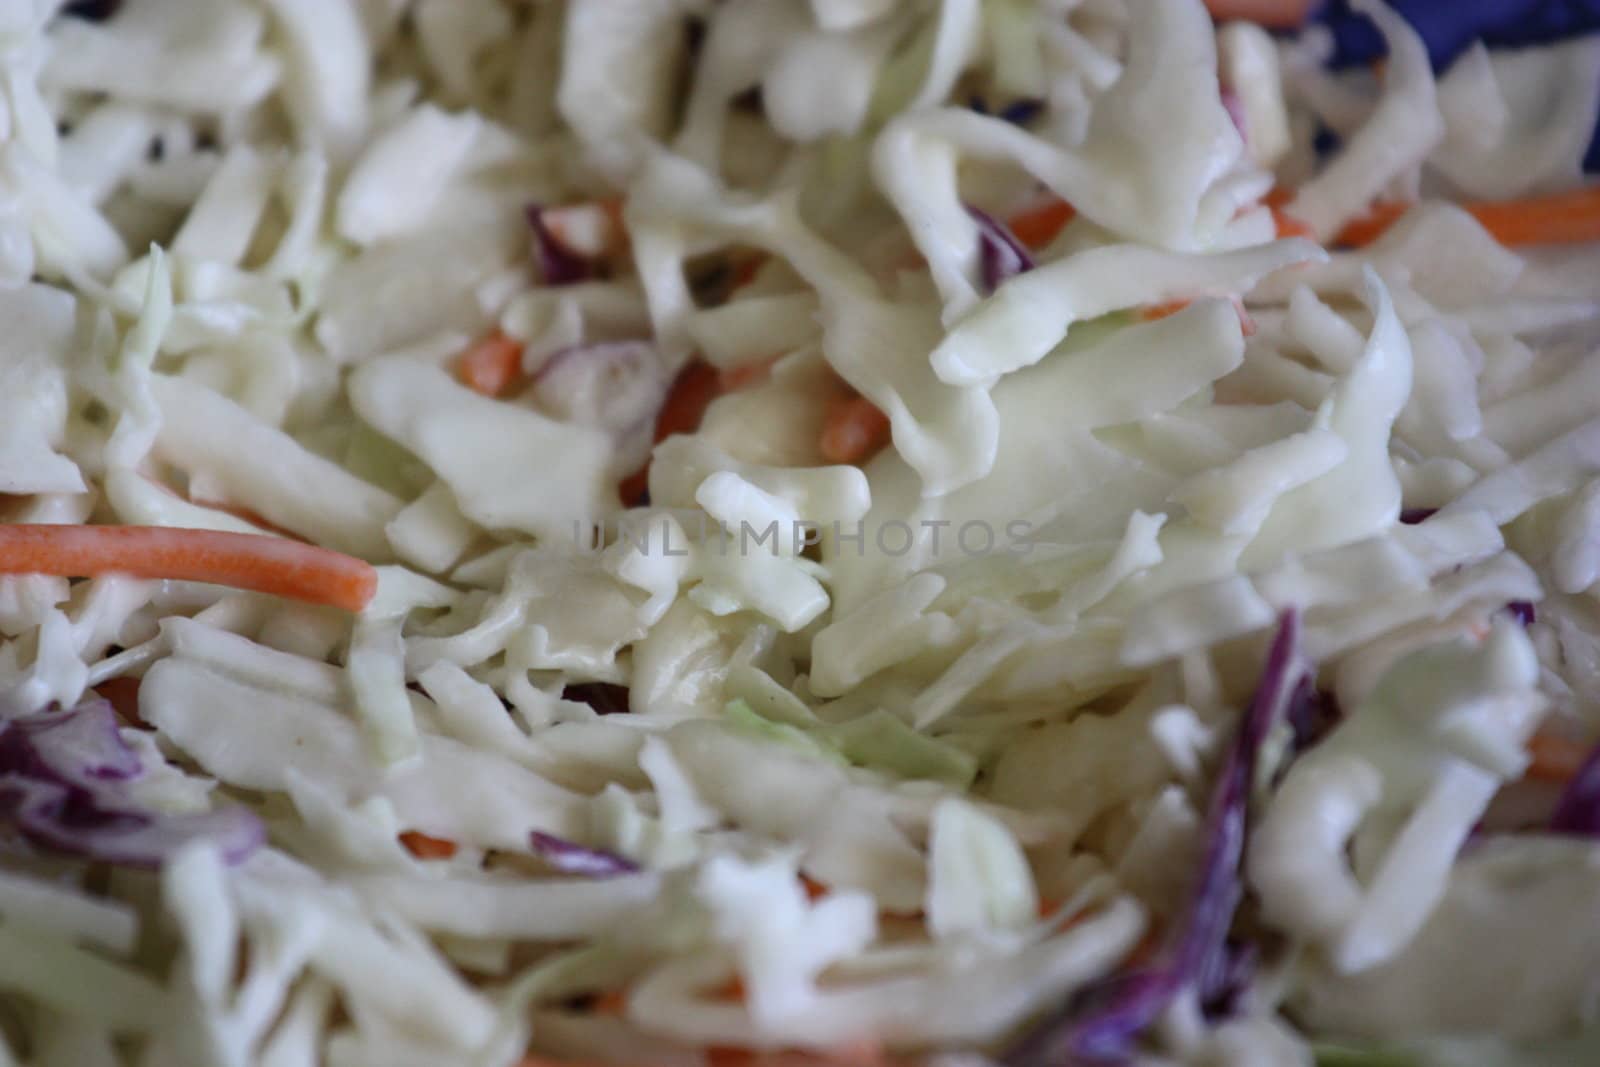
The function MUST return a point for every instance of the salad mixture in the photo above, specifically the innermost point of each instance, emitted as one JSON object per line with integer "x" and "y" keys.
{"x": 678, "y": 533}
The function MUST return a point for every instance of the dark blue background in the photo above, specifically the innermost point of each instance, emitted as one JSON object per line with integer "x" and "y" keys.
{"x": 1450, "y": 26}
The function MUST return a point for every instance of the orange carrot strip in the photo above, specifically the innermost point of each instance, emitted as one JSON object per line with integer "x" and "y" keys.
{"x": 1038, "y": 226}
{"x": 693, "y": 390}
{"x": 1153, "y": 312}
{"x": 854, "y": 430}
{"x": 1289, "y": 226}
{"x": 611, "y": 1002}
{"x": 815, "y": 890}
{"x": 1278, "y": 14}
{"x": 424, "y": 847}
{"x": 123, "y": 696}
{"x": 635, "y": 487}
{"x": 1561, "y": 218}
{"x": 1371, "y": 226}
{"x": 245, "y": 561}
{"x": 1564, "y": 218}
{"x": 1554, "y": 758}
{"x": 491, "y": 365}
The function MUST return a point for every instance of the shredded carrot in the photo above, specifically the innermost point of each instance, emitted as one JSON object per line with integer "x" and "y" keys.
{"x": 1561, "y": 218}
{"x": 1038, "y": 226}
{"x": 491, "y": 365}
{"x": 1153, "y": 312}
{"x": 1554, "y": 757}
{"x": 1372, "y": 225}
{"x": 815, "y": 890}
{"x": 635, "y": 488}
{"x": 853, "y": 431}
{"x": 245, "y": 561}
{"x": 1289, "y": 226}
{"x": 1564, "y": 218}
{"x": 1278, "y": 14}
{"x": 693, "y": 390}
{"x": 123, "y": 695}
{"x": 611, "y": 1002}
{"x": 424, "y": 847}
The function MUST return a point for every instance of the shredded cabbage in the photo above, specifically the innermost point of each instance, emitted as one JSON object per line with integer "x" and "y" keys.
{"x": 824, "y": 478}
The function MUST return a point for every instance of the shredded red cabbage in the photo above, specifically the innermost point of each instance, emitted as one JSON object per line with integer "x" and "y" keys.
{"x": 1312, "y": 714}
{"x": 1019, "y": 112}
{"x": 558, "y": 265}
{"x": 1000, "y": 254}
{"x": 1523, "y": 611}
{"x": 1412, "y": 516}
{"x": 63, "y": 777}
{"x": 1578, "y": 810}
{"x": 1102, "y": 1025}
{"x": 571, "y": 858}
{"x": 92, "y": 10}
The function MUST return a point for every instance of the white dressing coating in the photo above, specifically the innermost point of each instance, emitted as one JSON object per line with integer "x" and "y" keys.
{"x": 1415, "y": 765}
{"x": 253, "y": 465}
{"x": 400, "y": 175}
{"x": 477, "y": 447}
{"x": 33, "y": 385}
{"x": 830, "y": 472}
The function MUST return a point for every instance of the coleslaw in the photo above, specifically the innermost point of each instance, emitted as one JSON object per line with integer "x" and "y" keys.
{"x": 861, "y": 532}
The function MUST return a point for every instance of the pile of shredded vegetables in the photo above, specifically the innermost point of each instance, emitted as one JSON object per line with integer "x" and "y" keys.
{"x": 678, "y": 533}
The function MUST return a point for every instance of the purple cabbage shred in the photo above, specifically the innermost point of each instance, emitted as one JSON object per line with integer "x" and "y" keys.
{"x": 571, "y": 858}
{"x": 557, "y": 264}
{"x": 1000, "y": 254}
{"x": 1523, "y": 611}
{"x": 1312, "y": 713}
{"x": 1412, "y": 516}
{"x": 605, "y": 698}
{"x": 1578, "y": 810}
{"x": 92, "y": 10}
{"x": 1103, "y": 1024}
{"x": 1019, "y": 112}
{"x": 63, "y": 779}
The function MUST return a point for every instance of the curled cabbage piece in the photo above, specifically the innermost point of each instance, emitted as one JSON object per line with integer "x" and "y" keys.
{"x": 1356, "y": 848}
